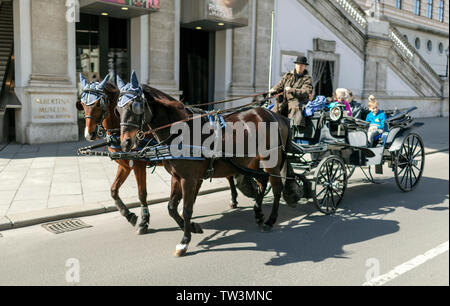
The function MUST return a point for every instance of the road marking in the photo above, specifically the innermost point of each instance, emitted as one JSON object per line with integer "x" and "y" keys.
{"x": 408, "y": 266}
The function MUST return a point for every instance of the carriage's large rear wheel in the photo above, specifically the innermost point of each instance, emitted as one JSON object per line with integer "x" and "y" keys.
{"x": 409, "y": 163}
{"x": 329, "y": 185}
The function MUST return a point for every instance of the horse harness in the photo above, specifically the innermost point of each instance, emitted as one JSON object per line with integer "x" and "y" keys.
{"x": 112, "y": 135}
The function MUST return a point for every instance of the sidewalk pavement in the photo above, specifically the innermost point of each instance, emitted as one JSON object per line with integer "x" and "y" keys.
{"x": 43, "y": 183}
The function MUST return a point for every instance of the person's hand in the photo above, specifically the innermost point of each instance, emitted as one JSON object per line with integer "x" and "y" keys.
{"x": 288, "y": 89}
{"x": 271, "y": 92}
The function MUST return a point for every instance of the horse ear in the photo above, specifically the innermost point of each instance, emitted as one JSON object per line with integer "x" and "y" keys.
{"x": 134, "y": 80}
{"x": 83, "y": 81}
{"x": 102, "y": 84}
{"x": 120, "y": 82}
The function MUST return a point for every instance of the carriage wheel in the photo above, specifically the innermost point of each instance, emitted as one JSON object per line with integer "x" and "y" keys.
{"x": 409, "y": 163}
{"x": 330, "y": 183}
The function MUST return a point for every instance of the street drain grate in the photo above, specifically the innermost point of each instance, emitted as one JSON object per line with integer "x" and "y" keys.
{"x": 65, "y": 226}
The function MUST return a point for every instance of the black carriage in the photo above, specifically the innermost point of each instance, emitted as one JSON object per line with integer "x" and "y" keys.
{"x": 333, "y": 145}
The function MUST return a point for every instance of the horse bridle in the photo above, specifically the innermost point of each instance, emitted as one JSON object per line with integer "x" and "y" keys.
{"x": 101, "y": 131}
{"x": 143, "y": 101}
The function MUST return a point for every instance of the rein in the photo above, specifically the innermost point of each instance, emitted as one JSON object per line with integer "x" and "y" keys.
{"x": 152, "y": 131}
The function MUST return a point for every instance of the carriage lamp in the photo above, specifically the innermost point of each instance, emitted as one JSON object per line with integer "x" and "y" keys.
{"x": 336, "y": 114}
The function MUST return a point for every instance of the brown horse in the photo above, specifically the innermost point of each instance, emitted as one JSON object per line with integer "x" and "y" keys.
{"x": 101, "y": 112}
{"x": 188, "y": 175}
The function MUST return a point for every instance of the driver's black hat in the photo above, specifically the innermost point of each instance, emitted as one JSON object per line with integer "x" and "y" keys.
{"x": 302, "y": 60}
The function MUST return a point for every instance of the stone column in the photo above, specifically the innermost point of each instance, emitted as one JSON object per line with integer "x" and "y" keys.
{"x": 377, "y": 51}
{"x": 44, "y": 72}
{"x": 251, "y": 50}
{"x": 164, "y": 53}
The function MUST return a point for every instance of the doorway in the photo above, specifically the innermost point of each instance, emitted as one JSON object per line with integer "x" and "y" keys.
{"x": 324, "y": 86}
{"x": 197, "y": 62}
{"x": 103, "y": 47}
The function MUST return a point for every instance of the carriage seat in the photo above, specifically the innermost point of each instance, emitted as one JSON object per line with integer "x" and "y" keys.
{"x": 310, "y": 134}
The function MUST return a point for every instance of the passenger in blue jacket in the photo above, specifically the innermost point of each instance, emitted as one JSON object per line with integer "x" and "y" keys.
{"x": 377, "y": 120}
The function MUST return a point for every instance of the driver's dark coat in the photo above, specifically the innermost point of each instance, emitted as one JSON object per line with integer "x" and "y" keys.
{"x": 293, "y": 102}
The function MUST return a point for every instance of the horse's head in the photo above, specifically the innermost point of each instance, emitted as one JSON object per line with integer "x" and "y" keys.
{"x": 135, "y": 111}
{"x": 94, "y": 101}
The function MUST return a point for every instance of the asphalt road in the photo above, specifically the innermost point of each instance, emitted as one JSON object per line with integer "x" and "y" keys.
{"x": 377, "y": 231}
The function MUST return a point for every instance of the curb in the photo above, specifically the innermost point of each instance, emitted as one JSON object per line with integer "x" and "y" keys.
{"x": 56, "y": 214}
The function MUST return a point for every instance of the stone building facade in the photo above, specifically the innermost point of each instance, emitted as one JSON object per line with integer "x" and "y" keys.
{"x": 366, "y": 54}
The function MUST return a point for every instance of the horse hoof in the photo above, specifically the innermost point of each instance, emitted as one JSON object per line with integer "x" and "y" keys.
{"x": 267, "y": 228}
{"x": 132, "y": 219}
{"x": 181, "y": 250}
{"x": 142, "y": 230}
{"x": 234, "y": 205}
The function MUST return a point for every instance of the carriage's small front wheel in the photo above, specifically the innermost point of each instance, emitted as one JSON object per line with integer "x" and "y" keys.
{"x": 329, "y": 185}
{"x": 409, "y": 163}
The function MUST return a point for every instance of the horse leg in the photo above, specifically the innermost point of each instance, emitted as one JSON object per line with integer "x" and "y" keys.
{"x": 277, "y": 188}
{"x": 122, "y": 174}
{"x": 234, "y": 194}
{"x": 175, "y": 198}
{"x": 140, "y": 172}
{"x": 259, "y": 215}
{"x": 195, "y": 227}
{"x": 188, "y": 188}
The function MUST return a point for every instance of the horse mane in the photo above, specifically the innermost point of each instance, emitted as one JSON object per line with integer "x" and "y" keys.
{"x": 171, "y": 104}
{"x": 155, "y": 93}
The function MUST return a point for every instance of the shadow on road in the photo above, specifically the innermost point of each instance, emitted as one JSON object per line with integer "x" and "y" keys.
{"x": 304, "y": 235}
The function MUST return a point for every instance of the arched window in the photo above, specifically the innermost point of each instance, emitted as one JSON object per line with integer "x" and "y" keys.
{"x": 430, "y": 45}
{"x": 441, "y": 48}
{"x": 417, "y": 43}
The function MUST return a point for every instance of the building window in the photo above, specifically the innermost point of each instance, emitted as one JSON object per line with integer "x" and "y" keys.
{"x": 441, "y": 48}
{"x": 417, "y": 43}
{"x": 398, "y": 4}
{"x": 406, "y": 37}
{"x": 430, "y": 45}
{"x": 430, "y": 9}
{"x": 441, "y": 11}
{"x": 417, "y": 7}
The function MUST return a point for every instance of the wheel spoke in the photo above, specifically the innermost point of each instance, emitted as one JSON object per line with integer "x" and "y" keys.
{"x": 332, "y": 199}
{"x": 404, "y": 175}
{"x": 337, "y": 179}
{"x": 340, "y": 197}
{"x": 410, "y": 177}
{"x": 412, "y": 171}
{"x": 321, "y": 192}
{"x": 324, "y": 200}
{"x": 335, "y": 172}
{"x": 401, "y": 171}
{"x": 415, "y": 147}
{"x": 420, "y": 152}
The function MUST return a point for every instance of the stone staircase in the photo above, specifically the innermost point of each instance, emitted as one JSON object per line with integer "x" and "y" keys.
{"x": 6, "y": 38}
{"x": 350, "y": 22}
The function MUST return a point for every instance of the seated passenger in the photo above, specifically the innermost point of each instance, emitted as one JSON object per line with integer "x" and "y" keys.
{"x": 341, "y": 97}
{"x": 377, "y": 119}
{"x": 359, "y": 111}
